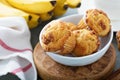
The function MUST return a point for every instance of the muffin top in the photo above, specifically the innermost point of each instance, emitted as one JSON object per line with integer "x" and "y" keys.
{"x": 82, "y": 24}
{"x": 58, "y": 37}
{"x": 87, "y": 42}
{"x": 98, "y": 21}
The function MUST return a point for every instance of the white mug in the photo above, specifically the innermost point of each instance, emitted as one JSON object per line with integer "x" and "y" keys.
{"x": 111, "y": 7}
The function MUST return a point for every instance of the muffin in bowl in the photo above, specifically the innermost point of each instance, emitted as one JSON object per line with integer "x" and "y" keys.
{"x": 70, "y": 53}
{"x": 58, "y": 37}
{"x": 87, "y": 42}
{"x": 98, "y": 21}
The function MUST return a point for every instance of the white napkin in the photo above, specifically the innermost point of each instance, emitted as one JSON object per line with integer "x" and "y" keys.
{"x": 15, "y": 48}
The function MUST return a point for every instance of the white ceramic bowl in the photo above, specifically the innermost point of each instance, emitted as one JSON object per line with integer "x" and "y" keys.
{"x": 84, "y": 60}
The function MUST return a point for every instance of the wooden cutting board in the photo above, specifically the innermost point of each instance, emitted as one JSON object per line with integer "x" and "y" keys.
{"x": 115, "y": 75}
{"x": 48, "y": 69}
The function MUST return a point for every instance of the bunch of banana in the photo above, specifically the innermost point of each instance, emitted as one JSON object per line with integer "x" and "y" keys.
{"x": 8, "y": 10}
{"x": 31, "y": 18}
{"x": 36, "y": 11}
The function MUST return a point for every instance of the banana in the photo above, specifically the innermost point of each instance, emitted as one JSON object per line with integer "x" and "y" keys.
{"x": 34, "y": 6}
{"x": 73, "y": 3}
{"x": 46, "y": 16}
{"x": 45, "y": 9}
{"x": 9, "y": 11}
{"x": 61, "y": 8}
{"x": 5, "y": 2}
{"x": 32, "y": 19}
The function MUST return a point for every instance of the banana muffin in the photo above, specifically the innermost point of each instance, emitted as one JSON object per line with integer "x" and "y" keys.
{"x": 98, "y": 21}
{"x": 58, "y": 38}
{"x": 87, "y": 42}
{"x": 82, "y": 24}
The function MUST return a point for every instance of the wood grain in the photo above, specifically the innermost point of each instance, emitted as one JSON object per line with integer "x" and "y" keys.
{"x": 48, "y": 69}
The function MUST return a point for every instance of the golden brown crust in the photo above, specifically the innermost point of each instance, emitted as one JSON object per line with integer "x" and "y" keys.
{"x": 118, "y": 39}
{"x": 82, "y": 24}
{"x": 87, "y": 42}
{"x": 71, "y": 26}
{"x": 98, "y": 21}
{"x": 58, "y": 38}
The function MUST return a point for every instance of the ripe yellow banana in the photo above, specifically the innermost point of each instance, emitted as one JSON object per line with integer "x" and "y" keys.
{"x": 74, "y": 3}
{"x": 5, "y": 2}
{"x": 42, "y": 7}
{"x": 34, "y": 6}
{"x": 61, "y": 8}
{"x": 8, "y": 10}
{"x": 34, "y": 20}
{"x": 46, "y": 16}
